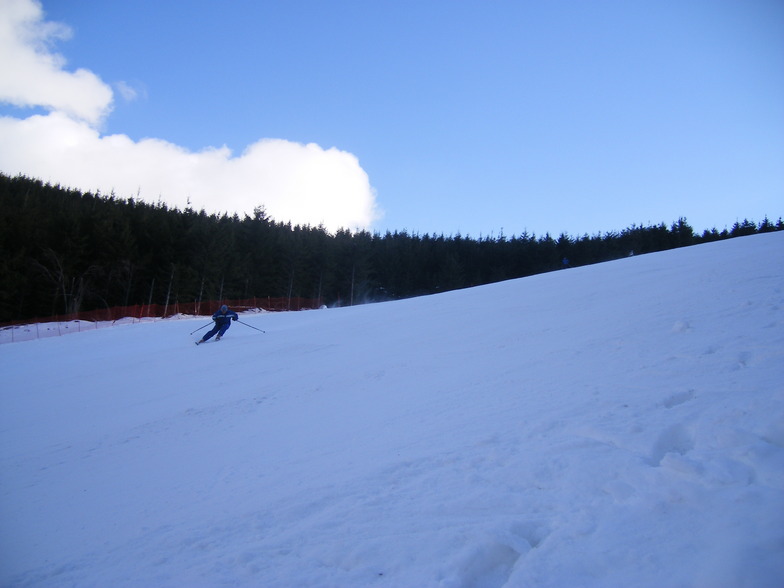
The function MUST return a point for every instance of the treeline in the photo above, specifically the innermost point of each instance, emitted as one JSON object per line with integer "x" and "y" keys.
{"x": 66, "y": 251}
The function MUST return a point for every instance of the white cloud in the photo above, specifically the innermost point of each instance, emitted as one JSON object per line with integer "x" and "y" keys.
{"x": 127, "y": 91}
{"x": 34, "y": 76}
{"x": 304, "y": 184}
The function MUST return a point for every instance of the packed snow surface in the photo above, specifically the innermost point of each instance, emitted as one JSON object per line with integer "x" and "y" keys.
{"x": 614, "y": 425}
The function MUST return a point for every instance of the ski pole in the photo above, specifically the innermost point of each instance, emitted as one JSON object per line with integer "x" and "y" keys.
{"x": 200, "y": 328}
{"x": 251, "y": 326}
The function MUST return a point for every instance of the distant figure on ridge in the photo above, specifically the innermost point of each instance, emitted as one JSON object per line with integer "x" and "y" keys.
{"x": 222, "y": 317}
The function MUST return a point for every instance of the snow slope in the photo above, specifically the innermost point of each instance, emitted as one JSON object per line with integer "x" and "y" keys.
{"x": 614, "y": 425}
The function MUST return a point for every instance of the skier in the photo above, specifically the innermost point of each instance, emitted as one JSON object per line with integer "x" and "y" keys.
{"x": 222, "y": 318}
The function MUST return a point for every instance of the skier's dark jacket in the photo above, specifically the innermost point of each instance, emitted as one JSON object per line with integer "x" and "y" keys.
{"x": 222, "y": 319}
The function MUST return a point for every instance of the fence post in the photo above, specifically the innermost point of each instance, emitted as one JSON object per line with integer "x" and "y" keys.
{"x": 168, "y": 293}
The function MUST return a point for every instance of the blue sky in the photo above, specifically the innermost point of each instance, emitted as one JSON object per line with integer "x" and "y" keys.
{"x": 430, "y": 116}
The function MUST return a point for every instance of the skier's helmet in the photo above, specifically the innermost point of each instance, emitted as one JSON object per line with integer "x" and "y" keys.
{"x": 224, "y": 309}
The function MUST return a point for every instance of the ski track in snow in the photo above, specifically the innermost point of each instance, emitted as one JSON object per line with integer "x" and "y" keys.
{"x": 613, "y": 425}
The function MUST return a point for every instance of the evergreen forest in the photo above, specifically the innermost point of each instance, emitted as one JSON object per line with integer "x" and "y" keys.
{"x": 66, "y": 251}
